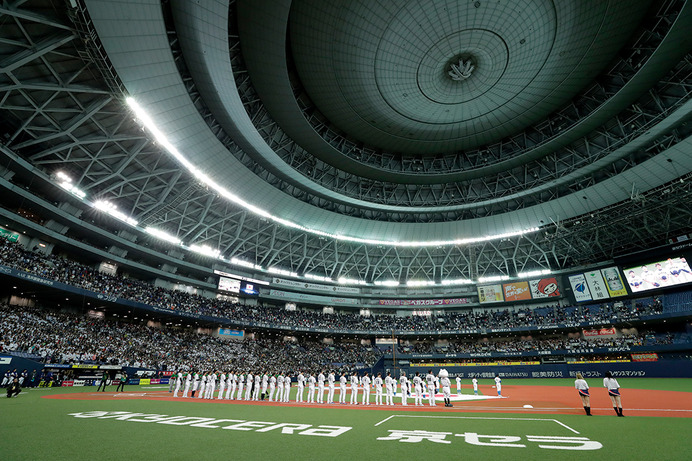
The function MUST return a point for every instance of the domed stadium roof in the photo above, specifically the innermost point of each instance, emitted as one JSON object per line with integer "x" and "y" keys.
{"x": 366, "y": 139}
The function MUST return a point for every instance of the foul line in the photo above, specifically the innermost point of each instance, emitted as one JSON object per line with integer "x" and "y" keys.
{"x": 477, "y": 417}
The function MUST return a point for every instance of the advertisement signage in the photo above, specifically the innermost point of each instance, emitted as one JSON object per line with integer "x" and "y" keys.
{"x": 580, "y": 288}
{"x": 490, "y": 294}
{"x": 544, "y": 288}
{"x": 597, "y": 285}
{"x": 230, "y": 332}
{"x": 614, "y": 282}
{"x": 422, "y": 302}
{"x": 599, "y": 333}
{"x": 516, "y": 291}
{"x": 660, "y": 274}
{"x": 298, "y": 284}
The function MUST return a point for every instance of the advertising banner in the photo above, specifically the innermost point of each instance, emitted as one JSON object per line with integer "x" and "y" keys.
{"x": 544, "y": 288}
{"x": 422, "y": 302}
{"x": 599, "y": 333}
{"x": 516, "y": 291}
{"x": 316, "y": 299}
{"x": 490, "y": 294}
{"x": 144, "y": 381}
{"x": 315, "y": 286}
{"x": 580, "y": 288}
{"x": 597, "y": 285}
{"x": 231, "y": 332}
{"x": 650, "y": 357}
{"x": 614, "y": 282}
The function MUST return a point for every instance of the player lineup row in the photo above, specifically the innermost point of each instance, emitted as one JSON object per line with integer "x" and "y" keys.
{"x": 276, "y": 387}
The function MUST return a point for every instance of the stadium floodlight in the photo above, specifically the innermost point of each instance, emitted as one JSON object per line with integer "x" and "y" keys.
{"x": 279, "y": 271}
{"x": 63, "y": 177}
{"x": 387, "y": 283}
{"x": 318, "y": 277}
{"x": 163, "y": 235}
{"x": 494, "y": 278}
{"x": 161, "y": 139}
{"x": 71, "y": 188}
{"x": 456, "y": 282}
{"x": 248, "y": 264}
{"x": 533, "y": 273}
{"x": 205, "y": 250}
{"x": 112, "y": 210}
{"x": 348, "y": 281}
{"x": 419, "y": 283}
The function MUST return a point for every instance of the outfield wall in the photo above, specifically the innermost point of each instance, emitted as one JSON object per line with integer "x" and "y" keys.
{"x": 660, "y": 369}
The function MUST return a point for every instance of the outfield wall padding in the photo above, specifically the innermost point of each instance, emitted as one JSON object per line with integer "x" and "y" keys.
{"x": 660, "y": 369}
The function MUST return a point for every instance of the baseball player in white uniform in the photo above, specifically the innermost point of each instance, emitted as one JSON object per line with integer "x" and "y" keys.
{"x": 320, "y": 387}
{"x": 366, "y": 389}
{"x": 202, "y": 385}
{"x": 178, "y": 383}
{"x": 498, "y": 385}
{"x": 188, "y": 381}
{"x": 272, "y": 387}
{"x": 403, "y": 382}
{"x": 241, "y": 386}
{"x": 222, "y": 385}
{"x": 458, "y": 380}
{"x": 474, "y": 381}
{"x": 301, "y": 387}
{"x": 280, "y": 387}
{"x": 418, "y": 389}
{"x": 330, "y": 385}
{"x": 378, "y": 389}
{"x": 430, "y": 380}
{"x": 388, "y": 386}
{"x": 257, "y": 387}
{"x": 342, "y": 391}
{"x": 311, "y": 389}
{"x": 354, "y": 389}
{"x": 287, "y": 387}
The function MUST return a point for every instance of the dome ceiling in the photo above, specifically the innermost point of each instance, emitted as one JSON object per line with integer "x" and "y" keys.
{"x": 380, "y": 70}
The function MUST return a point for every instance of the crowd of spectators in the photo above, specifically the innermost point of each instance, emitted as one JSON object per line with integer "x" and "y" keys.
{"x": 547, "y": 344}
{"x": 58, "y": 337}
{"x": 73, "y": 273}
{"x": 55, "y": 336}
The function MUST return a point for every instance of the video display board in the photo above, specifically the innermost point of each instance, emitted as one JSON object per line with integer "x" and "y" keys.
{"x": 658, "y": 274}
{"x": 229, "y": 285}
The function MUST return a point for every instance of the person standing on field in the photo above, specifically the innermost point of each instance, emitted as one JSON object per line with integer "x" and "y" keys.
{"x": 583, "y": 390}
{"x": 613, "y": 387}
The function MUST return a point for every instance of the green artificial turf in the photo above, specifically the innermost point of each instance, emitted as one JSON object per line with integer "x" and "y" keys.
{"x": 35, "y": 428}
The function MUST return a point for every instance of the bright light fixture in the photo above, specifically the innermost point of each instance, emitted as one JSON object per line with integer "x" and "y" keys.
{"x": 112, "y": 210}
{"x": 74, "y": 190}
{"x": 387, "y": 283}
{"x": 494, "y": 278}
{"x": 163, "y": 235}
{"x": 533, "y": 273}
{"x": 161, "y": 139}
{"x": 276, "y": 270}
{"x": 456, "y": 282}
{"x": 348, "y": 281}
{"x": 419, "y": 283}
{"x": 205, "y": 250}
{"x": 241, "y": 262}
{"x": 318, "y": 277}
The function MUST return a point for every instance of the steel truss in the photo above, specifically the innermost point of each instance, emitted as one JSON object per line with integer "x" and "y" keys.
{"x": 62, "y": 109}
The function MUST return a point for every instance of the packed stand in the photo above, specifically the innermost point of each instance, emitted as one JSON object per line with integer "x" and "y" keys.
{"x": 79, "y": 275}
